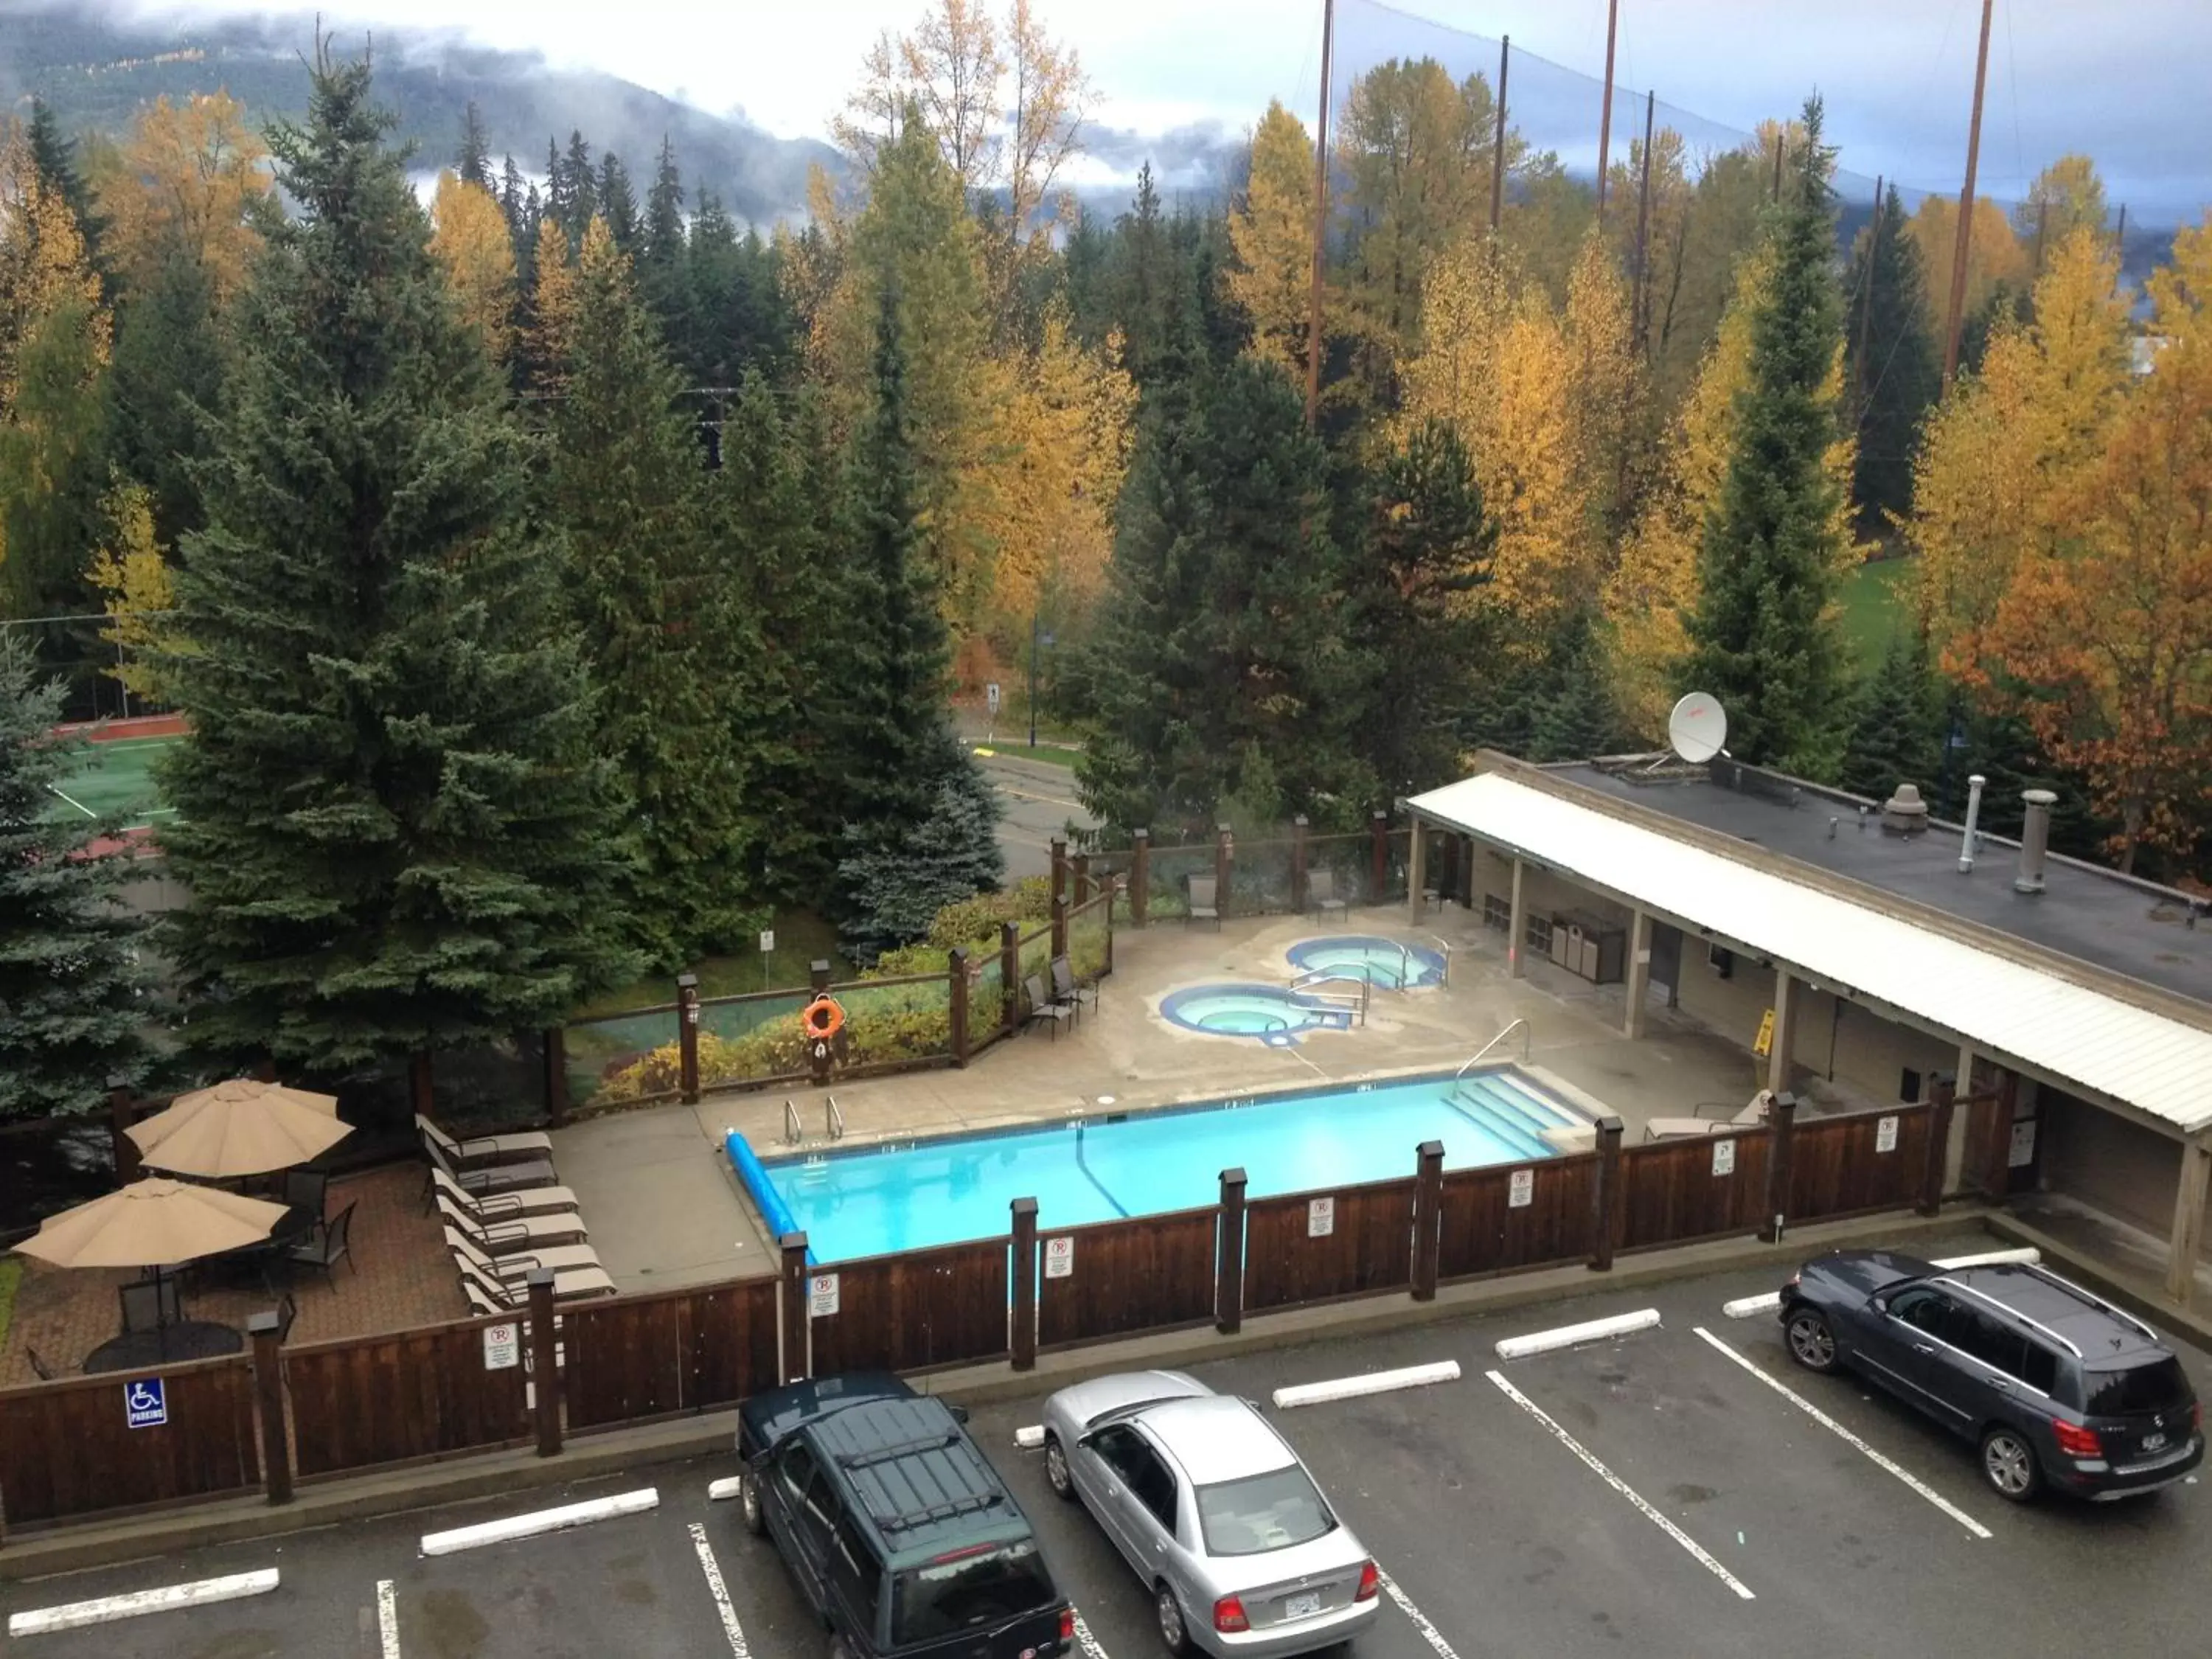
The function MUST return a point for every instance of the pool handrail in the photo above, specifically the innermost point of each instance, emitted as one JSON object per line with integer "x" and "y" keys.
{"x": 833, "y": 1120}
{"x": 1475, "y": 1059}
{"x": 793, "y": 1131}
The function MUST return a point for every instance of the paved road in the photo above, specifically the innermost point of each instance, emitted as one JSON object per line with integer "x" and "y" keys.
{"x": 1039, "y": 801}
{"x": 1515, "y": 1518}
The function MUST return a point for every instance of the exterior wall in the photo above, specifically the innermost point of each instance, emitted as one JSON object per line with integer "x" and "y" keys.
{"x": 2109, "y": 1162}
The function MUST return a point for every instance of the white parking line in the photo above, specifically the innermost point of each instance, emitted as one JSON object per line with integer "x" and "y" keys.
{"x": 105, "y": 1609}
{"x": 720, "y": 1591}
{"x": 1085, "y": 1640}
{"x": 1430, "y": 1633}
{"x": 1848, "y": 1437}
{"x": 1696, "y": 1550}
{"x": 387, "y": 1617}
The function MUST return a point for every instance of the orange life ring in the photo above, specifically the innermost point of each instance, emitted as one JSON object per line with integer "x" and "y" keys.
{"x": 823, "y": 1017}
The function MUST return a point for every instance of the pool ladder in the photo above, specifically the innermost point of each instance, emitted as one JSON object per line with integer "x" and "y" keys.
{"x": 1475, "y": 1059}
{"x": 1304, "y": 984}
{"x": 794, "y": 1131}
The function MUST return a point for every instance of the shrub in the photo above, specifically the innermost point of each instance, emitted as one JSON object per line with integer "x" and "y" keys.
{"x": 897, "y": 1030}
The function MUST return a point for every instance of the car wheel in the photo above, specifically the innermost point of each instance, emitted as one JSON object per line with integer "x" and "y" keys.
{"x": 1056, "y": 1473}
{"x": 2008, "y": 1461}
{"x": 1172, "y": 1633}
{"x": 749, "y": 1504}
{"x": 1812, "y": 1340}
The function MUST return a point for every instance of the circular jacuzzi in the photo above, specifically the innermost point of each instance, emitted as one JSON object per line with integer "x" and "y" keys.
{"x": 1383, "y": 963}
{"x": 1272, "y": 1014}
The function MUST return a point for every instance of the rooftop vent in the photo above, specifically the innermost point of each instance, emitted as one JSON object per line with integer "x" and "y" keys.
{"x": 1904, "y": 813}
{"x": 2034, "y": 839}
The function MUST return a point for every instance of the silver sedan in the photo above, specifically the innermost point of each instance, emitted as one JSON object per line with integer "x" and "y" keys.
{"x": 1242, "y": 1554}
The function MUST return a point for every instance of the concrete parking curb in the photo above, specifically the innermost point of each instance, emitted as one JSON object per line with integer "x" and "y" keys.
{"x": 601, "y": 1456}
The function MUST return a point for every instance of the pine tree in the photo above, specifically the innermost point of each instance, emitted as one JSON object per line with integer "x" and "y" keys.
{"x": 69, "y": 985}
{"x": 575, "y": 188}
{"x": 473, "y": 160}
{"x": 55, "y": 156}
{"x": 893, "y": 890}
{"x": 1577, "y": 720}
{"x": 170, "y": 356}
{"x": 392, "y": 828}
{"x": 660, "y": 258}
{"x": 514, "y": 202}
{"x": 1893, "y": 738}
{"x": 671, "y": 650}
{"x": 1896, "y": 379}
{"x": 1762, "y": 638}
{"x": 617, "y": 202}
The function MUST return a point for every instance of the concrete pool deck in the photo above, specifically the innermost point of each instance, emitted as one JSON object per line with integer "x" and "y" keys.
{"x": 666, "y": 1210}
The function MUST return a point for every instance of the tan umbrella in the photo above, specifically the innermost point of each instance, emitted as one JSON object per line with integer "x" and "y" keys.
{"x": 154, "y": 1222}
{"x": 240, "y": 1128}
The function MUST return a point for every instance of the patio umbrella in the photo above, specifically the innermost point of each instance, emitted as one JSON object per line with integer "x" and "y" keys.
{"x": 155, "y": 1223}
{"x": 240, "y": 1128}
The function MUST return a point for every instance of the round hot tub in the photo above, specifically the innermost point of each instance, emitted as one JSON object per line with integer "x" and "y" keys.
{"x": 1383, "y": 963}
{"x": 1271, "y": 1014}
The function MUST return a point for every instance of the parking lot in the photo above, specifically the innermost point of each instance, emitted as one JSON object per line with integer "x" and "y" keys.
{"x": 1668, "y": 1492}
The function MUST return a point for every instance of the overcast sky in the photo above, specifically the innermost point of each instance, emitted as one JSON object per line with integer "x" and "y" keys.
{"x": 2126, "y": 84}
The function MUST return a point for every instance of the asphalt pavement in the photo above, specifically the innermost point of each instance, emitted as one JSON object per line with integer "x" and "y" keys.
{"x": 1683, "y": 1490}
{"x": 1039, "y": 804}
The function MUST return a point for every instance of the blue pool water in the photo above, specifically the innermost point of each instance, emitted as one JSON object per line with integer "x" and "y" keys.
{"x": 868, "y": 1202}
{"x": 1383, "y": 963}
{"x": 1273, "y": 1014}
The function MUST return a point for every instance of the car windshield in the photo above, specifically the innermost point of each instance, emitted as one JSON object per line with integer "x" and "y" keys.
{"x": 2128, "y": 1391}
{"x": 971, "y": 1589}
{"x": 1262, "y": 1512}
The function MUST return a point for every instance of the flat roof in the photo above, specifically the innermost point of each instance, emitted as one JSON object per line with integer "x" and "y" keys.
{"x": 2097, "y": 916}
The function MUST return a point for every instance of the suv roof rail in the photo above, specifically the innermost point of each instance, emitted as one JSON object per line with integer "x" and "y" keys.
{"x": 2006, "y": 1307}
{"x": 936, "y": 1441}
{"x": 2091, "y": 1297}
{"x": 945, "y": 1512}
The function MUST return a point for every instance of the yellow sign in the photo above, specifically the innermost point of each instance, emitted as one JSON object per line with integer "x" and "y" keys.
{"x": 1764, "y": 1046}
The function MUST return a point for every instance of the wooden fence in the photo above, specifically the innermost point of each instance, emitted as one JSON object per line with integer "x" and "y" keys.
{"x": 371, "y": 1402}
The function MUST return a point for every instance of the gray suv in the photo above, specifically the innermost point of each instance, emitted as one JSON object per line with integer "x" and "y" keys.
{"x": 2058, "y": 1387}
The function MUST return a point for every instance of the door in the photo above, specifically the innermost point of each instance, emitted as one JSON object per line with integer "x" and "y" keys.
{"x": 1908, "y": 1345}
{"x": 1666, "y": 963}
{"x": 801, "y": 1515}
{"x": 1105, "y": 1463}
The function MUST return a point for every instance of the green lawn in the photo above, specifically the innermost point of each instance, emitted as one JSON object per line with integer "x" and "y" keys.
{"x": 1876, "y": 599}
{"x": 801, "y": 938}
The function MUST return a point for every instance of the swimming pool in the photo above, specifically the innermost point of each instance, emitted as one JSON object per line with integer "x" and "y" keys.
{"x": 874, "y": 1201}
{"x": 1384, "y": 963}
{"x": 1273, "y": 1014}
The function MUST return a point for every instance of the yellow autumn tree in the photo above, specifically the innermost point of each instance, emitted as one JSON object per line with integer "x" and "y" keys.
{"x": 551, "y": 333}
{"x": 1994, "y": 254}
{"x": 1606, "y": 388}
{"x": 2008, "y": 465}
{"x": 470, "y": 238}
{"x": 131, "y": 570}
{"x": 188, "y": 180}
{"x": 1271, "y": 231}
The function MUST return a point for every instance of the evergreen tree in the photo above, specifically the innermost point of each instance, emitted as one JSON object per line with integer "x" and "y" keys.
{"x": 69, "y": 985}
{"x": 617, "y": 202}
{"x": 1577, "y": 720}
{"x": 737, "y": 315}
{"x": 1897, "y": 377}
{"x": 1762, "y": 638}
{"x": 392, "y": 828}
{"x": 1140, "y": 282}
{"x": 893, "y": 889}
{"x": 660, "y": 259}
{"x": 473, "y": 160}
{"x": 513, "y": 203}
{"x": 573, "y": 188}
{"x": 1224, "y": 673}
{"x": 1893, "y": 738}
{"x": 53, "y": 153}
{"x": 167, "y": 377}
{"x": 672, "y": 649}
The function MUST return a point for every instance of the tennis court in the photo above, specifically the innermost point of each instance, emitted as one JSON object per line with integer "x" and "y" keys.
{"x": 113, "y": 775}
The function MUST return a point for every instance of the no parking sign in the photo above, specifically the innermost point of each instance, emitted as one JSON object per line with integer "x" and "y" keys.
{"x": 1059, "y": 1258}
{"x": 1321, "y": 1218}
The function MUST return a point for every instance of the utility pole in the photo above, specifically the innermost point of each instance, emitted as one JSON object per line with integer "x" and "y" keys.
{"x": 1643, "y": 227}
{"x": 1958, "y": 311}
{"x": 1498, "y": 144}
{"x": 1605, "y": 116}
{"x": 2120, "y": 238}
{"x": 1865, "y": 310}
{"x": 1320, "y": 218}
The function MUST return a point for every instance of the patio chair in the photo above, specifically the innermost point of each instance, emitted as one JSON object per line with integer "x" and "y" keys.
{"x": 1204, "y": 906}
{"x": 150, "y": 1303}
{"x": 1067, "y": 988}
{"x": 487, "y": 1207}
{"x": 307, "y": 1189}
{"x": 1321, "y": 893}
{"x": 520, "y": 1232}
{"x": 1673, "y": 1128}
{"x": 514, "y": 1269}
{"x": 329, "y": 1244}
{"x": 488, "y": 1178}
{"x": 529, "y": 1145}
{"x": 488, "y": 1295}
{"x": 286, "y": 1311}
{"x": 1043, "y": 1008}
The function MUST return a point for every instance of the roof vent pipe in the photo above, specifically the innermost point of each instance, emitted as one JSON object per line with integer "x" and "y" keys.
{"x": 1973, "y": 818}
{"x": 2034, "y": 840}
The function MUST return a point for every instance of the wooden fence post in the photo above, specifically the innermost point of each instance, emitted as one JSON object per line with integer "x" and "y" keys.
{"x": 1024, "y": 1338}
{"x": 122, "y": 1112}
{"x": 1782, "y": 1121}
{"x": 1229, "y": 1255}
{"x": 687, "y": 1037}
{"x": 1378, "y": 856}
{"x": 557, "y": 1074}
{"x": 1298, "y": 865}
{"x": 1108, "y": 918}
{"x": 1059, "y": 927}
{"x": 268, "y": 1389}
{"x": 819, "y": 1053}
{"x": 1059, "y": 869}
{"x": 1610, "y": 1196}
{"x": 1428, "y": 1213}
{"x": 1082, "y": 865}
{"x": 1140, "y": 877}
{"x": 797, "y": 1323}
{"x": 1942, "y": 1097}
{"x": 1010, "y": 974}
{"x": 1224, "y": 854}
{"x": 957, "y": 967}
{"x": 544, "y": 1362}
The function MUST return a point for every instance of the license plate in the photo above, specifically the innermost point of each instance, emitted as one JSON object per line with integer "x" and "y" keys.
{"x": 2152, "y": 1442}
{"x": 1302, "y": 1607}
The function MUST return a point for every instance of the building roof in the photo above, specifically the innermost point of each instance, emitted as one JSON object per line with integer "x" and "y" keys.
{"x": 2040, "y": 1017}
{"x": 2094, "y": 916}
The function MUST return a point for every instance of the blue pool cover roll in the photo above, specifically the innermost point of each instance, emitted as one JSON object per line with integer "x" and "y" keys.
{"x": 770, "y": 1202}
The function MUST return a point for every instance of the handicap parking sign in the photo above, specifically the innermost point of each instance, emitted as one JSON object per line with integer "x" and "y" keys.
{"x": 144, "y": 1404}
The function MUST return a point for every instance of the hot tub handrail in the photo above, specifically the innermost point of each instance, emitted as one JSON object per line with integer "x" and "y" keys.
{"x": 1443, "y": 974}
{"x": 1475, "y": 1059}
{"x": 1305, "y": 983}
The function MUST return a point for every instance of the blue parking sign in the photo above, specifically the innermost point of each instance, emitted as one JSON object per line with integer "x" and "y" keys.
{"x": 144, "y": 1405}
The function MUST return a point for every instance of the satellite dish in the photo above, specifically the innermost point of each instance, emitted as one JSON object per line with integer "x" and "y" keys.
{"x": 1697, "y": 729}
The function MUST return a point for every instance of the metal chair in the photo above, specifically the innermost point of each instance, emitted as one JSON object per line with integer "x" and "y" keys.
{"x": 149, "y": 1304}
{"x": 1043, "y": 1008}
{"x": 1067, "y": 988}
{"x": 1204, "y": 905}
{"x": 327, "y": 1245}
{"x": 307, "y": 1190}
{"x": 1321, "y": 894}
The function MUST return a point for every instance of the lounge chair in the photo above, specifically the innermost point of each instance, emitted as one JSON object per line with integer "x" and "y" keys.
{"x": 1677, "y": 1128}
{"x": 1204, "y": 906}
{"x": 1044, "y": 1007}
{"x": 514, "y": 1267}
{"x": 1067, "y": 988}
{"x": 512, "y": 1233}
{"x": 487, "y": 1207}
{"x": 530, "y": 1144}
{"x": 326, "y": 1245}
{"x": 488, "y": 1295}
{"x": 1321, "y": 893}
{"x": 489, "y": 1178}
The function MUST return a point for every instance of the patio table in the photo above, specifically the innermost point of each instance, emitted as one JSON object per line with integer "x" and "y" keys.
{"x": 190, "y": 1339}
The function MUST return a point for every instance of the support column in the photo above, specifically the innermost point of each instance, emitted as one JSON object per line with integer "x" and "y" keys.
{"x": 544, "y": 1362}
{"x": 1781, "y": 1121}
{"x": 2188, "y": 1221}
{"x": 1516, "y": 929}
{"x": 1942, "y": 1099}
{"x": 1962, "y": 1124}
{"x": 1415, "y": 860}
{"x": 1778, "y": 1053}
{"x": 122, "y": 1113}
{"x": 1639, "y": 973}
